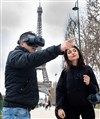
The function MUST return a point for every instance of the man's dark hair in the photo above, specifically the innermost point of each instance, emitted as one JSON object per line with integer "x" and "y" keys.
{"x": 31, "y": 39}
{"x": 25, "y": 35}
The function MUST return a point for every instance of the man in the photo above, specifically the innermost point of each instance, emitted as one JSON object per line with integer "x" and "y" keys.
{"x": 20, "y": 74}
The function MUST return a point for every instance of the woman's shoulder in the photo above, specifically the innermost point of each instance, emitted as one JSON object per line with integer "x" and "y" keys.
{"x": 88, "y": 67}
{"x": 64, "y": 72}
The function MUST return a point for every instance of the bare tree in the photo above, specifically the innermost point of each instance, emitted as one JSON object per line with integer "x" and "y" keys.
{"x": 91, "y": 37}
{"x": 72, "y": 30}
{"x": 90, "y": 30}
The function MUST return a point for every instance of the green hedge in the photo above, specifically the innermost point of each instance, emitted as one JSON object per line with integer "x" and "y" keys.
{"x": 1, "y": 102}
{"x": 0, "y": 116}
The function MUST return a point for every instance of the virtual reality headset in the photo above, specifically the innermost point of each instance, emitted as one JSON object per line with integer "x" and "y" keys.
{"x": 32, "y": 39}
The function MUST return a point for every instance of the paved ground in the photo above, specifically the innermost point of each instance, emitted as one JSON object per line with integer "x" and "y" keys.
{"x": 41, "y": 113}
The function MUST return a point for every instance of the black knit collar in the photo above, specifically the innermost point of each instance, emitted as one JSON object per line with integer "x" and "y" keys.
{"x": 22, "y": 48}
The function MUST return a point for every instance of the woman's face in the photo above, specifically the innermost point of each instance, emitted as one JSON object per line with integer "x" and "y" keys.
{"x": 73, "y": 54}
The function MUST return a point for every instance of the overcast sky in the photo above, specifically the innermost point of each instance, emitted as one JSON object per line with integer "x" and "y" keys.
{"x": 18, "y": 16}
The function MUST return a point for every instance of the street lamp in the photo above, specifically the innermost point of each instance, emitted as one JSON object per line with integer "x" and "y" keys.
{"x": 77, "y": 8}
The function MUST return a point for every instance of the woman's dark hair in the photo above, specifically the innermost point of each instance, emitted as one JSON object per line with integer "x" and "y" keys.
{"x": 80, "y": 60}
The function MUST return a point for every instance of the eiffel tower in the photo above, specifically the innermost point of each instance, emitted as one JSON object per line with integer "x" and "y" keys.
{"x": 46, "y": 85}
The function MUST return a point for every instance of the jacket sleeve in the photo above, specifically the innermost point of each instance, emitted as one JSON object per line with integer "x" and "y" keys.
{"x": 60, "y": 90}
{"x": 93, "y": 86}
{"x": 20, "y": 59}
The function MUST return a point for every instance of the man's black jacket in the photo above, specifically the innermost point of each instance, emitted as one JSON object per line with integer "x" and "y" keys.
{"x": 21, "y": 78}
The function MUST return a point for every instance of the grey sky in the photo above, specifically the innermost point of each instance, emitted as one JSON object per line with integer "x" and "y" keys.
{"x": 19, "y": 16}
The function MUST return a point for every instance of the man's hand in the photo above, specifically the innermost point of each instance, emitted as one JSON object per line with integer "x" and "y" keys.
{"x": 61, "y": 113}
{"x": 67, "y": 44}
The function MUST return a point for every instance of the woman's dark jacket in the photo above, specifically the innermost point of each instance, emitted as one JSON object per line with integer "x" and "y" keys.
{"x": 71, "y": 91}
{"x": 21, "y": 78}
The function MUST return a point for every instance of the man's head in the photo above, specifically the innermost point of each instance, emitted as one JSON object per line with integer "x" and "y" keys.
{"x": 30, "y": 40}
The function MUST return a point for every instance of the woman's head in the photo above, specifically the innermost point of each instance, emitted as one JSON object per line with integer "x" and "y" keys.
{"x": 73, "y": 56}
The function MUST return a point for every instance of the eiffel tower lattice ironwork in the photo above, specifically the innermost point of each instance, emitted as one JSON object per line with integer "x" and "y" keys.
{"x": 46, "y": 85}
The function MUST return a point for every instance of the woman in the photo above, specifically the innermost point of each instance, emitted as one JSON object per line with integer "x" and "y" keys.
{"x": 75, "y": 84}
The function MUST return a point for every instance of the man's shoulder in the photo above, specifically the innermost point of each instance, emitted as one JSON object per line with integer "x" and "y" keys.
{"x": 18, "y": 49}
